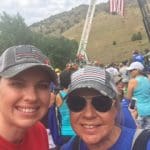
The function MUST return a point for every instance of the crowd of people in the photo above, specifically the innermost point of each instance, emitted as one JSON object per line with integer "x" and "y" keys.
{"x": 101, "y": 107}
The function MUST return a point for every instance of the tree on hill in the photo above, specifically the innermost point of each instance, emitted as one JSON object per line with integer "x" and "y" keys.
{"x": 14, "y": 31}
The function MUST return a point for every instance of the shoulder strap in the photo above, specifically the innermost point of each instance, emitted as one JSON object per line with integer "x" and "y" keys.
{"x": 76, "y": 143}
{"x": 54, "y": 124}
{"x": 142, "y": 140}
{"x": 62, "y": 95}
{"x": 137, "y": 133}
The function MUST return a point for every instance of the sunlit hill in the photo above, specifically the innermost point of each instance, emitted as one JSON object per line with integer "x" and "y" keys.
{"x": 110, "y": 36}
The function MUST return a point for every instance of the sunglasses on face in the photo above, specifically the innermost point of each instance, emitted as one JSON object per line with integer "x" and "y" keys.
{"x": 77, "y": 103}
{"x": 132, "y": 70}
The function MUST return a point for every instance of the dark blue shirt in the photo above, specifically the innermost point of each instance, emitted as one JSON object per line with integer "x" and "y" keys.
{"x": 124, "y": 141}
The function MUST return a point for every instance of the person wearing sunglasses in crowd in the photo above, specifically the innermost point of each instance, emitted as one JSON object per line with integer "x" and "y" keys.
{"x": 94, "y": 105}
{"x": 25, "y": 76}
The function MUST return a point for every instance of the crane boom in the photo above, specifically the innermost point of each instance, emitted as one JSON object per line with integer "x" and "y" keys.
{"x": 145, "y": 10}
{"x": 86, "y": 30}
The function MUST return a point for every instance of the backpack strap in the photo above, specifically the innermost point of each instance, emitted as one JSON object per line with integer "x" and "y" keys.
{"x": 76, "y": 143}
{"x": 54, "y": 124}
{"x": 137, "y": 133}
{"x": 141, "y": 140}
{"x": 63, "y": 96}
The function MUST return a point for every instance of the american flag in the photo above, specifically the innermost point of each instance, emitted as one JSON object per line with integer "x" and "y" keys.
{"x": 117, "y": 6}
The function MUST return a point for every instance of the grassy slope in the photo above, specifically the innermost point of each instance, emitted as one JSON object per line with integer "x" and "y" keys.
{"x": 107, "y": 28}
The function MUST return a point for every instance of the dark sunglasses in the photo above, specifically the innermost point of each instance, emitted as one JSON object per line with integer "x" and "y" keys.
{"x": 132, "y": 70}
{"x": 77, "y": 103}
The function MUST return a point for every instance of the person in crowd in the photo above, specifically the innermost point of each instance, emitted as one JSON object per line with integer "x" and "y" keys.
{"x": 94, "y": 105}
{"x": 71, "y": 66}
{"x": 25, "y": 76}
{"x": 66, "y": 130}
{"x": 58, "y": 71}
{"x": 112, "y": 69}
{"x": 137, "y": 57}
{"x": 44, "y": 120}
{"x": 127, "y": 115}
{"x": 139, "y": 89}
{"x": 125, "y": 88}
{"x": 123, "y": 70}
{"x": 119, "y": 86}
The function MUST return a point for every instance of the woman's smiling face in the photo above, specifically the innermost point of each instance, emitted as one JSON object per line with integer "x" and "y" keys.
{"x": 24, "y": 99}
{"x": 91, "y": 125}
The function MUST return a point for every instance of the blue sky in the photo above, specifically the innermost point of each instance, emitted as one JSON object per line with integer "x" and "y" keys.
{"x": 37, "y": 10}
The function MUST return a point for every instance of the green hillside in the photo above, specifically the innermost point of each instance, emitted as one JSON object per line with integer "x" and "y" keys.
{"x": 108, "y": 28}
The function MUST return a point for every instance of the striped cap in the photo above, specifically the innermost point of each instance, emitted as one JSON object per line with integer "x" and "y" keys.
{"x": 93, "y": 77}
{"x": 16, "y": 59}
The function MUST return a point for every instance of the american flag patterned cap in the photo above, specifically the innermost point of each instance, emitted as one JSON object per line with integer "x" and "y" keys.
{"x": 19, "y": 58}
{"x": 93, "y": 77}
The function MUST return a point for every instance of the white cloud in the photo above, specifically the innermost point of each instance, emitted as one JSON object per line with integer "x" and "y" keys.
{"x": 37, "y": 10}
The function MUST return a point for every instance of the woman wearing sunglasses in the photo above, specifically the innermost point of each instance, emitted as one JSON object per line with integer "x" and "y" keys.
{"x": 94, "y": 105}
{"x": 139, "y": 89}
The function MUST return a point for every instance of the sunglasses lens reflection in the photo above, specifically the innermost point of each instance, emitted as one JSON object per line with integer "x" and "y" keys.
{"x": 76, "y": 103}
{"x": 102, "y": 104}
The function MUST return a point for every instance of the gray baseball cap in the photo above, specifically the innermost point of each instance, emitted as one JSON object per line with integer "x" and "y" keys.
{"x": 93, "y": 77}
{"x": 16, "y": 59}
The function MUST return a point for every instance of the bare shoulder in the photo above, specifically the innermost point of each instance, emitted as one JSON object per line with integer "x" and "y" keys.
{"x": 132, "y": 82}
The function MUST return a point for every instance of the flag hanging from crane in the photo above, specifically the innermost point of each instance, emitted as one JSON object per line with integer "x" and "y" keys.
{"x": 117, "y": 7}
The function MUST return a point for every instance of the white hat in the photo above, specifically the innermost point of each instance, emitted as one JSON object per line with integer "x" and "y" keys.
{"x": 136, "y": 65}
{"x": 117, "y": 79}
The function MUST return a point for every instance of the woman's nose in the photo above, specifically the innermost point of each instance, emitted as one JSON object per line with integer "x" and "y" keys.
{"x": 30, "y": 94}
{"x": 89, "y": 110}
